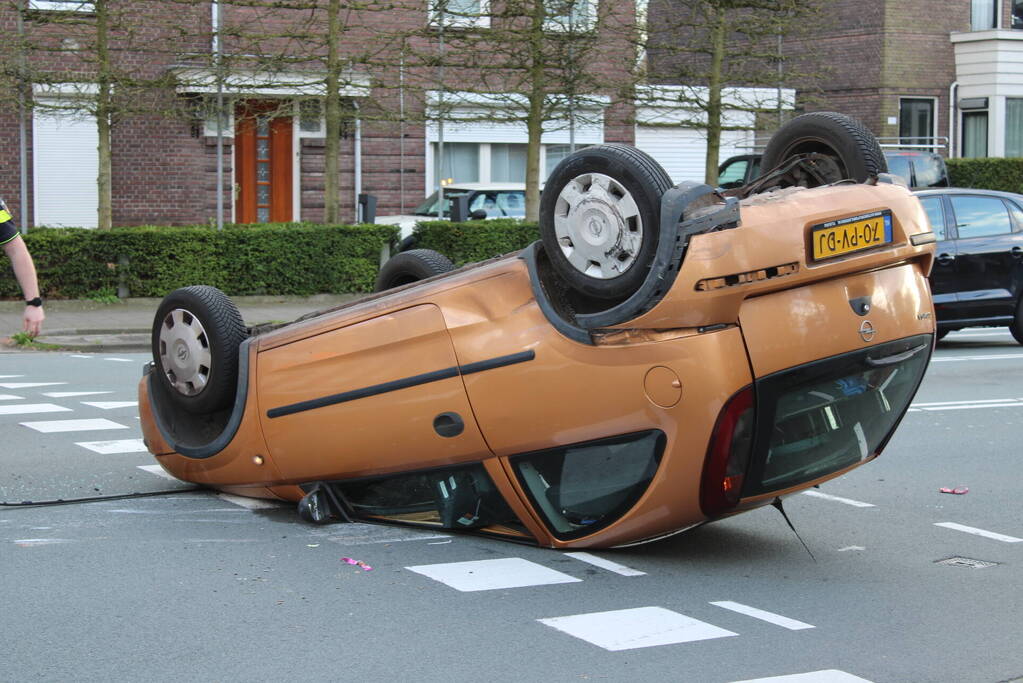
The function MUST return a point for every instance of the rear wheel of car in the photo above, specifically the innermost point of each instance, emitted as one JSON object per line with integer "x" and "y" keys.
{"x": 1016, "y": 327}
{"x": 196, "y": 334}
{"x": 412, "y": 266}
{"x": 840, "y": 146}
{"x": 600, "y": 219}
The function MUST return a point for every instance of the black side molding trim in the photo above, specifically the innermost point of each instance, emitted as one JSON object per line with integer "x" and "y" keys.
{"x": 404, "y": 383}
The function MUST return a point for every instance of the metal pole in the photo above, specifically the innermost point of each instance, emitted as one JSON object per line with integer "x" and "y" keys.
{"x": 22, "y": 128}
{"x": 440, "y": 112}
{"x": 401, "y": 130}
{"x": 779, "y": 82}
{"x": 217, "y": 18}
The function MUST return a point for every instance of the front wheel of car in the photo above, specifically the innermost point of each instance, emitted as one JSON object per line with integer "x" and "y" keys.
{"x": 411, "y": 266}
{"x": 600, "y": 219}
{"x": 839, "y": 147}
{"x": 195, "y": 339}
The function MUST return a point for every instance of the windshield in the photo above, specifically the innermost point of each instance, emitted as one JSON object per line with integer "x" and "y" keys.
{"x": 429, "y": 207}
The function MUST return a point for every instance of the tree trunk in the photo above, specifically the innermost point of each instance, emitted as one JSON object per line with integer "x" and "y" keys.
{"x": 534, "y": 116}
{"x": 104, "y": 107}
{"x": 332, "y": 115}
{"x": 714, "y": 97}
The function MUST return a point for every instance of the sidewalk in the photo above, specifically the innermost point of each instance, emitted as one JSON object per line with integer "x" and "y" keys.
{"x": 83, "y": 325}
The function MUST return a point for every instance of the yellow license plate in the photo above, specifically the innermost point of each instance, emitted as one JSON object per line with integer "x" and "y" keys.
{"x": 836, "y": 238}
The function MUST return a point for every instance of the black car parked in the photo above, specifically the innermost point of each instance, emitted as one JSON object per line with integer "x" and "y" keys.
{"x": 977, "y": 277}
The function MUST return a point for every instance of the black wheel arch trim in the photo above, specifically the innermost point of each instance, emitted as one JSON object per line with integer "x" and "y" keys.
{"x": 233, "y": 422}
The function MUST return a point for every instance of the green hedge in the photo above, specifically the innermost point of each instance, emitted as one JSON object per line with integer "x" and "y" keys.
{"x": 987, "y": 174}
{"x": 292, "y": 258}
{"x": 476, "y": 240}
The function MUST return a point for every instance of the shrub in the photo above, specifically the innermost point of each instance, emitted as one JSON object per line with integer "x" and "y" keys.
{"x": 987, "y": 174}
{"x": 290, "y": 258}
{"x": 476, "y": 240}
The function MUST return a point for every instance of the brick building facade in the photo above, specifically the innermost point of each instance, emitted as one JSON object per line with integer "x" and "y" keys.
{"x": 164, "y": 163}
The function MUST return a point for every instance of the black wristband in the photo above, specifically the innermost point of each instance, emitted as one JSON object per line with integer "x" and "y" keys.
{"x": 38, "y": 301}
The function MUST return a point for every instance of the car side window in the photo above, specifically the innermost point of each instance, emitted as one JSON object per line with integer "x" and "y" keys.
{"x": 733, "y": 173}
{"x": 935, "y": 211}
{"x": 1017, "y": 214}
{"x": 980, "y": 216}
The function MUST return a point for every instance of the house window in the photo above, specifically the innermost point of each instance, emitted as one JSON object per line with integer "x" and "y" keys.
{"x": 1017, "y": 14}
{"x": 974, "y": 134}
{"x": 461, "y": 163}
{"x": 570, "y": 15}
{"x": 983, "y": 15}
{"x": 1014, "y": 127}
{"x": 507, "y": 163}
{"x": 916, "y": 121}
{"x": 460, "y": 13}
{"x": 310, "y": 116}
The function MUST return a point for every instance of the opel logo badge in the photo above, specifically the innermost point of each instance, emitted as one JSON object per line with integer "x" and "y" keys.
{"x": 867, "y": 331}
{"x": 596, "y": 227}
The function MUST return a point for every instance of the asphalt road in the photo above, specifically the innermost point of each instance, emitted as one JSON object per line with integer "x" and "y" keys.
{"x": 196, "y": 586}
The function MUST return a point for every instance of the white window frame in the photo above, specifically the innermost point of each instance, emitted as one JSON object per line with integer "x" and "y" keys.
{"x": 85, "y": 6}
{"x": 561, "y": 23}
{"x": 456, "y": 21}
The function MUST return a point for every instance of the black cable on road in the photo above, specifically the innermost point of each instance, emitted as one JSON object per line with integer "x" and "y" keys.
{"x": 97, "y": 499}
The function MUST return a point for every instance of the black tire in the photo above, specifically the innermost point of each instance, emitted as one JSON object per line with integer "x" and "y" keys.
{"x": 196, "y": 334}
{"x": 611, "y": 265}
{"x": 412, "y": 266}
{"x": 1016, "y": 326}
{"x": 845, "y": 148}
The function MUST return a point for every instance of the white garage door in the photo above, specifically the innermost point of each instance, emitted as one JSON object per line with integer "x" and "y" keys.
{"x": 65, "y": 165}
{"x": 682, "y": 151}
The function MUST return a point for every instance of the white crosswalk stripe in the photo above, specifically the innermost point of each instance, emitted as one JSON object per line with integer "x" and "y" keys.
{"x": 485, "y": 575}
{"x": 629, "y": 629}
{"x": 73, "y": 425}
{"x": 110, "y": 405}
{"x": 29, "y": 385}
{"x": 70, "y": 394}
{"x": 32, "y": 408}
{"x": 114, "y": 447}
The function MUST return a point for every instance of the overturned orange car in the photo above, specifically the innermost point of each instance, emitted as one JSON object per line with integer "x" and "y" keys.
{"x": 664, "y": 356}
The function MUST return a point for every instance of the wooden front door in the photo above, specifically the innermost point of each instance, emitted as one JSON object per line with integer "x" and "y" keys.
{"x": 263, "y": 163}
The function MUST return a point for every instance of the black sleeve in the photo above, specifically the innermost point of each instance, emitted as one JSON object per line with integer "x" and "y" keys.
{"x": 8, "y": 231}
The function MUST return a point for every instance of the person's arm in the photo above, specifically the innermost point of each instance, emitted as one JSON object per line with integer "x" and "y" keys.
{"x": 25, "y": 272}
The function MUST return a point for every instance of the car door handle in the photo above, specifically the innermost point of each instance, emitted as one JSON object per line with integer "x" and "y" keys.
{"x": 1017, "y": 252}
{"x": 946, "y": 259}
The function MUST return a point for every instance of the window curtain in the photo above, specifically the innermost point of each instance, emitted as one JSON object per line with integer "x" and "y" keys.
{"x": 982, "y": 14}
{"x": 975, "y": 134}
{"x": 507, "y": 163}
{"x": 1014, "y": 127}
{"x": 461, "y": 162}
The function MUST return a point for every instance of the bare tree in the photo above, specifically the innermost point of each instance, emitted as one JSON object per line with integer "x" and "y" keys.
{"x": 709, "y": 47}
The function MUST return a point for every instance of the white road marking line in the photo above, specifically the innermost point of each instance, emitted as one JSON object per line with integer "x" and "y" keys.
{"x": 823, "y": 676}
{"x": 251, "y": 503}
{"x": 110, "y": 405}
{"x": 32, "y": 408}
{"x": 629, "y": 629}
{"x": 72, "y": 425}
{"x": 966, "y": 407}
{"x": 485, "y": 575}
{"x": 114, "y": 447}
{"x": 851, "y": 547}
{"x": 78, "y": 355}
{"x": 763, "y": 615}
{"x": 838, "y": 499}
{"x": 69, "y": 394}
{"x": 120, "y": 360}
{"x": 959, "y": 403}
{"x": 29, "y": 542}
{"x": 10, "y": 397}
{"x": 979, "y": 532}
{"x": 28, "y": 385}
{"x": 606, "y": 564}
{"x": 158, "y": 471}
{"x": 947, "y": 359}
{"x": 10, "y": 376}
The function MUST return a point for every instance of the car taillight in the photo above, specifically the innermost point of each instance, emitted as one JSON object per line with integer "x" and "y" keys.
{"x": 728, "y": 455}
